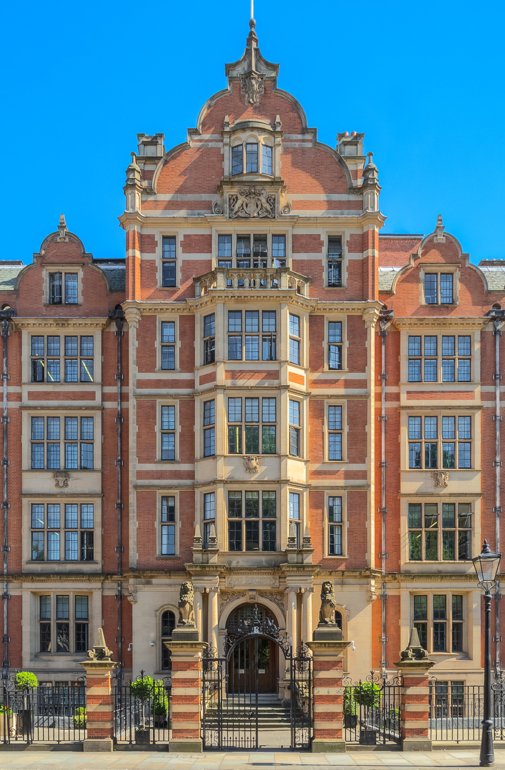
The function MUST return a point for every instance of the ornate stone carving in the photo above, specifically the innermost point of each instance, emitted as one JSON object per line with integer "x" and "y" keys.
{"x": 100, "y": 650}
{"x": 186, "y": 605}
{"x": 414, "y": 650}
{"x": 251, "y": 202}
{"x": 251, "y": 463}
{"x": 327, "y": 611}
{"x": 440, "y": 478}
{"x": 131, "y": 593}
{"x": 252, "y": 87}
{"x": 61, "y": 479}
{"x": 217, "y": 208}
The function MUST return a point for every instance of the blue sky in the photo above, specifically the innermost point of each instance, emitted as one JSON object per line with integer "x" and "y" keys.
{"x": 424, "y": 81}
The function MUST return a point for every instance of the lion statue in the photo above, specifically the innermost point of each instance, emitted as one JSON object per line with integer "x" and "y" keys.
{"x": 327, "y": 611}
{"x": 186, "y": 602}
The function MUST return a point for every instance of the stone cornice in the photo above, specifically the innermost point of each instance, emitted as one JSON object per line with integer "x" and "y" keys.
{"x": 440, "y": 322}
{"x": 61, "y": 323}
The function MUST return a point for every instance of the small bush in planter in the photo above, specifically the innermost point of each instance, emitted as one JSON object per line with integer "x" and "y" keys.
{"x": 350, "y": 708}
{"x": 367, "y": 694}
{"x": 142, "y": 688}
{"x": 79, "y": 717}
{"x": 160, "y": 704}
{"x": 26, "y": 680}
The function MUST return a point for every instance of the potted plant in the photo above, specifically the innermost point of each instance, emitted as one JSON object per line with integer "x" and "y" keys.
{"x": 368, "y": 694}
{"x": 160, "y": 704}
{"x": 79, "y": 718}
{"x": 350, "y": 708}
{"x": 6, "y": 718}
{"x": 26, "y": 682}
{"x": 142, "y": 689}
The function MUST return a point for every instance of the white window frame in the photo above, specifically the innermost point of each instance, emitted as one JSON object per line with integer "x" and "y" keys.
{"x": 64, "y": 270}
{"x": 431, "y": 620}
{"x": 175, "y": 344}
{"x": 343, "y": 344}
{"x": 440, "y": 357}
{"x": 342, "y": 431}
{"x": 160, "y": 524}
{"x": 342, "y": 524}
{"x": 72, "y": 620}
{"x": 439, "y": 270}
{"x": 160, "y": 260}
{"x": 168, "y": 431}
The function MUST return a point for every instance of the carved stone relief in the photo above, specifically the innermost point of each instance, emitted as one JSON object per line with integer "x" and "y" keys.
{"x": 251, "y": 202}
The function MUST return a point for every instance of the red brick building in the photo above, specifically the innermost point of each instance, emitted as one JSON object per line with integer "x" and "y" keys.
{"x": 266, "y": 394}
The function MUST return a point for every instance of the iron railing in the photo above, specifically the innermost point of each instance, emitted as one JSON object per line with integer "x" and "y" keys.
{"x": 372, "y": 710}
{"x": 46, "y": 714}
{"x": 457, "y": 709}
{"x": 141, "y": 715}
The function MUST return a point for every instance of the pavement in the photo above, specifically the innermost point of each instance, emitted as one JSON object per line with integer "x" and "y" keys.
{"x": 149, "y": 760}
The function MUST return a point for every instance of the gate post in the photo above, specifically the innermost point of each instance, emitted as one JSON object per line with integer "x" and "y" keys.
{"x": 328, "y": 692}
{"x": 415, "y": 701}
{"x": 99, "y": 701}
{"x": 186, "y": 698}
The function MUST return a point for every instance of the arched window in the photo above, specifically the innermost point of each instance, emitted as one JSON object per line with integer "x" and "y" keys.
{"x": 167, "y": 625}
{"x": 252, "y": 157}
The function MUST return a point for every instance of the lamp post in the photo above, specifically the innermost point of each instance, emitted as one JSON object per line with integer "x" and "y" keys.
{"x": 486, "y": 566}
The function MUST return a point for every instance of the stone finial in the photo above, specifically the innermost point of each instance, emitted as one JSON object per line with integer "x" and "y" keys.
{"x": 328, "y": 604}
{"x": 62, "y": 229}
{"x": 100, "y": 650}
{"x": 371, "y": 172}
{"x": 413, "y": 651}
{"x": 439, "y": 230}
{"x": 186, "y": 605}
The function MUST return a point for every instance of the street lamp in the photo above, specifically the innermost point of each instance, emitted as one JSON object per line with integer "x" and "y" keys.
{"x": 486, "y": 566}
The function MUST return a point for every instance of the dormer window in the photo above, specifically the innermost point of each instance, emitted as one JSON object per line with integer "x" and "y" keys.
{"x": 252, "y": 158}
{"x": 63, "y": 288}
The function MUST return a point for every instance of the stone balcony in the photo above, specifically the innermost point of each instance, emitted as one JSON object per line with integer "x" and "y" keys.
{"x": 241, "y": 279}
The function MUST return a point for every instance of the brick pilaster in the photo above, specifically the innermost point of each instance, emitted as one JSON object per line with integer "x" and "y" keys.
{"x": 186, "y": 697}
{"x": 99, "y": 705}
{"x": 328, "y": 694}
{"x": 415, "y": 706}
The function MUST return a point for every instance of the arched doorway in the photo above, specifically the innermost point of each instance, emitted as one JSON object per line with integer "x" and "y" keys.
{"x": 252, "y": 651}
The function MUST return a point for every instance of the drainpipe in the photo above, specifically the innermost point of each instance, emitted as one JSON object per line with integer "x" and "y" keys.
{"x": 6, "y": 315}
{"x": 385, "y": 318}
{"x": 118, "y": 317}
{"x": 497, "y": 316}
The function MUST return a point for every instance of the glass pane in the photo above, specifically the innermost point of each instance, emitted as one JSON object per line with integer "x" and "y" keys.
{"x": 37, "y": 516}
{"x": 251, "y": 152}
{"x": 62, "y": 608}
{"x": 420, "y": 607}
{"x": 252, "y": 409}
{"x": 431, "y": 545}
{"x": 439, "y": 607}
{"x": 414, "y": 515}
{"x": 71, "y": 516}
{"x": 237, "y": 159}
{"x": 449, "y": 546}
{"x": 252, "y": 535}
{"x": 62, "y": 637}
{"x": 415, "y": 539}
{"x": 266, "y": 159}
{"x": 53, "y": 516}
{"x": 414, "y": 345}
{"x": 430, "y": 345}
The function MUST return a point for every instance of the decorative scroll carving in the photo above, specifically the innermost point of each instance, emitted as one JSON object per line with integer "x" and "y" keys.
{"x": 186, "y": 605}
{"x": 252, "y": 87}
{"x": 100, "y": 650}
{"x": 61, "y": 479}
{"x": 257, "y": 624}
{"x": 440, "y": 478}
{"x": 217, "y": 208}
{"x": 251, "y": 202}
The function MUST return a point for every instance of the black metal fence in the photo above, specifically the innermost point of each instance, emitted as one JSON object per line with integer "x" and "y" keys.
{"x": 372, "y": 710}
{"x": 456, "y": 711}
{"x": 46, "y": 714}
{"x": 141, "y": 711}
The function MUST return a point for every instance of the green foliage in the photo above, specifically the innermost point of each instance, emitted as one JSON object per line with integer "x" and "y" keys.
{"x": 160, "y": 699}
{"x": 5, "y": 709}
{"x": 367, "y": 694}
{"x": 350, "y": 704}
{"x": 80, "y": 717}
{"x": 26, "y": 680}
{"x": 142, "y": 687}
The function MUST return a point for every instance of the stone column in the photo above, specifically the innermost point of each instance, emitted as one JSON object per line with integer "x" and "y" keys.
{"x": 415, "y": 705}
{"x": 307, "y": 615}
{"x": 99, "y": 698}
{"x": 328, "y": 692}
{"x": 186, "y": 697}
{"x": 291, "y": 625}
{"x": 213, "y": 618}
{"x": 198, "y": 612}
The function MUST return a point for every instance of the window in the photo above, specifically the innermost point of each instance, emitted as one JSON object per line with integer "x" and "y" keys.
{"x": 169, "y": 260}
{"x": 295, "y": 428}
{"x": 335, "y": 432}
{"x": 63, "y": 623}
{"x": 294, "y": 339}
{"x": 62, "y": 532}
{"x": 440, "y": 442}
{"x": 334, "y": 261}
{"x": 449, "y": 699}
{"x": 167, "y": 525}
{"x": 334, "y": 344}
{"x": 209, "y": 428}
{"x": 251, "y": 251}
{"x": 168, "y": 432}
{"x": 294, "y": 518}
{"x": 439, "y": 288}
{"x": 439, "y": 359}
{"x": 209, "y": 518}
{"x": 439, "y": 621}
{"x": 168, "y": 345}
{"x": 335, "y": 526}
{"x": 58, "y": 442}
{"x": 209, "y": 338}
{"x": 252, "y": 425}
{"x": 252, "y": 521}
{"x": 68, "y": 359}
{"x": 247, "y": 156}
{"x": 167, "y": 625}
{"x": 440, "y": 531}
{"x": 63, "y": 288}
{"x": 252, "y": 335}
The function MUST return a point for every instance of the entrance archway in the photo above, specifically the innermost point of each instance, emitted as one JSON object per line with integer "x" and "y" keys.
{"x": 252, "y": 651}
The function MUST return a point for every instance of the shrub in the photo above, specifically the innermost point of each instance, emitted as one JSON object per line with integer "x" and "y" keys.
{"x": 350, "y": 703}
{"x": 80, "y": 717}
{"x": 160, "y": 699}
{"x": 367, "y": 694}
{"x": 26, "y": 680}
{"x": 142, "y": 687}
{"x": 5, "y": 709}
